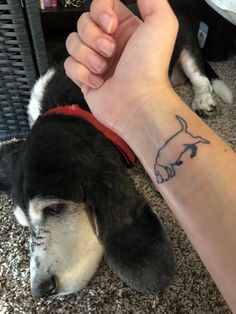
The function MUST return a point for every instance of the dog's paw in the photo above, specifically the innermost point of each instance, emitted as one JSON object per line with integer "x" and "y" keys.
{"x": 204, "y": 103}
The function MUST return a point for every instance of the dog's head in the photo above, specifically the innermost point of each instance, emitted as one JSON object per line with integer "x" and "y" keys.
{"x": 73, "y": 192}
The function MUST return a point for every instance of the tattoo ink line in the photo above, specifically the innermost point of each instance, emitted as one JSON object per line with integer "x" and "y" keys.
{"x": 181, "y": 142}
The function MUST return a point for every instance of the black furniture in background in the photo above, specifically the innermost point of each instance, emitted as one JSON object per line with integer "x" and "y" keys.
{"x": 22, "y": 59}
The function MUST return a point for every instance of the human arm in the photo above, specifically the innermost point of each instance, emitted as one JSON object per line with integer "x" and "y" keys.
{"x": 202, "y": 193}
{"x": 134, "y": 98}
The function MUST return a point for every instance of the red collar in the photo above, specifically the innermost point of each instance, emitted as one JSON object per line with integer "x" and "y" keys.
{"x": 75, "y": 110}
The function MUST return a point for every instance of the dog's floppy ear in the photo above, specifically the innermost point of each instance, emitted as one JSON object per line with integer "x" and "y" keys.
{"x": 140, "y": 253}
{"x": 9, "y": 154}
{"x": 136, "y": 245}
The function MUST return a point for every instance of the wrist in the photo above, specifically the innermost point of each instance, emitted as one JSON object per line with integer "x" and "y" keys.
{"x": 148, "y": 122}
{"x": 154, "y": 122}
{"x": 139, "y": 113}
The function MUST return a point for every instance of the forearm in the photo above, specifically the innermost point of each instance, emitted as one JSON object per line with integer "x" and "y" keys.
{"x": 196, "y": 180}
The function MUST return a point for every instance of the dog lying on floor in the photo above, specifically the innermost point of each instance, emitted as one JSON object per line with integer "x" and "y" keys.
{"x": 73, "y": 192}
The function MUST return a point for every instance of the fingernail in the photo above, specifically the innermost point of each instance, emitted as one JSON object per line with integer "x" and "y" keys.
{"x": 95, "y": 80}
{"x": 105, "y": 46}
{"x": 97, "y": 63}
{"x": 106, "y": 22}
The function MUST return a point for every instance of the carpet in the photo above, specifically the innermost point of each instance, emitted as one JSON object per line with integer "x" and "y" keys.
{"x": 191, "y": 291}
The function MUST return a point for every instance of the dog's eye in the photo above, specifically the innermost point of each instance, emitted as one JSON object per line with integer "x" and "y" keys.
{"x": 53, "y": 209}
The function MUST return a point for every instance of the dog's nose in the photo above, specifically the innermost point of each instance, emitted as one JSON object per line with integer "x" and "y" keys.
{"x": 44, "y": 288}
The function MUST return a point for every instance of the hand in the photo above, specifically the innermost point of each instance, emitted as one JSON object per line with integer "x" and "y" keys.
{"x": 118, "y": 60}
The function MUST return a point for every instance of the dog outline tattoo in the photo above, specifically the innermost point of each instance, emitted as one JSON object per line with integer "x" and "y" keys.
{"x": 182, "y": 141}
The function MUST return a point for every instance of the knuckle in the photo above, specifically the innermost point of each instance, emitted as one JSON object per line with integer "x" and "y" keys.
{"x": 67, "y": 67}
{"x": 175, "y": 22}
{"x": 73, "y": 74}
{"x": 73, "y": 45}
{"x": 82, "y": 25}
{"x": 70, "y": 69}
{"x": 94, "y": 5}
{"x": 70, "y": 40}
{"x": 83, "y": 17}
{"x": 77, "y": 72}
{"x": 65, "y": 64}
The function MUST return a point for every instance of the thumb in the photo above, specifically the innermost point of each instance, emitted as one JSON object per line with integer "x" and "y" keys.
{"x": 161, "y": 22}
{"x": 108, "y": 14}
{"x": 157, "y": 10}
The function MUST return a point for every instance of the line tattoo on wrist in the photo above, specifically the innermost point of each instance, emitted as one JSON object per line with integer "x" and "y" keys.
{"x": 182, "y": 142}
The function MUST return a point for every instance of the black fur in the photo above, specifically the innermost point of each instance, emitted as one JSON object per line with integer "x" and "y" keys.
{"x": 66, "y": 157}
{"x": 9, "y": 155}
{"x": 61, "y": 91}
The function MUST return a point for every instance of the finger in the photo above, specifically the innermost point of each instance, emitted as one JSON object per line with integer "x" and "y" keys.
{"x": 108, "y": 14}
{"x": 85, "y": 55}
{"x": 81, "y": 75}
{"x": 95, "y": 37}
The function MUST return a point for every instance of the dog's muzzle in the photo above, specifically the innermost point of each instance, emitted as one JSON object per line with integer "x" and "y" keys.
{"x": 44, "y": 287}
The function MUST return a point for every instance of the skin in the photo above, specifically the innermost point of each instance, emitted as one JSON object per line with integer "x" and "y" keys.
{"x": 132, "y": 95}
